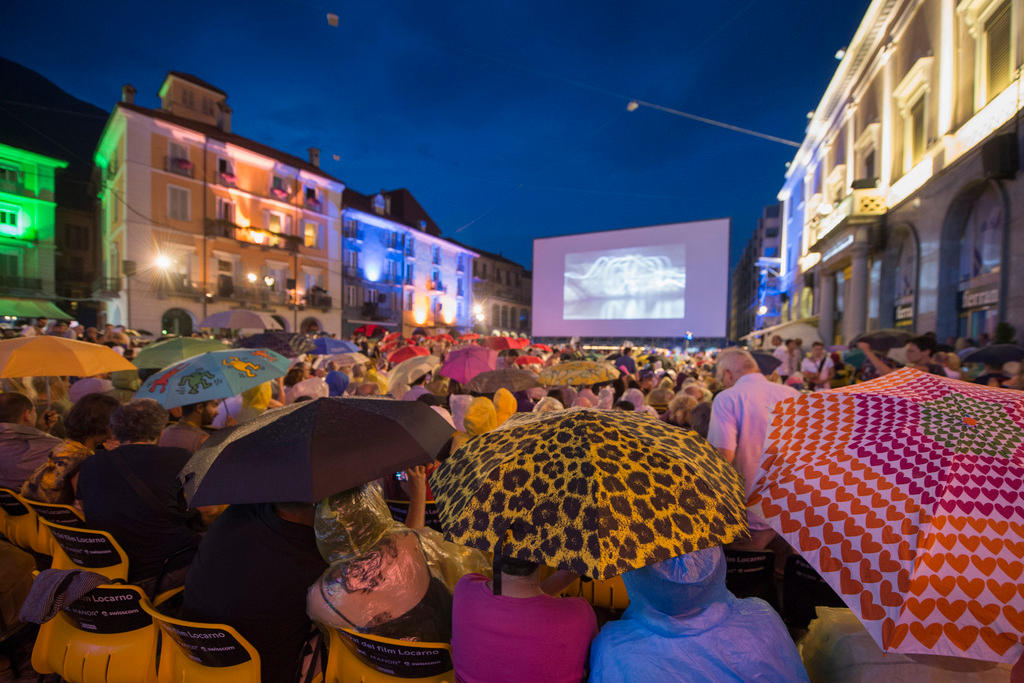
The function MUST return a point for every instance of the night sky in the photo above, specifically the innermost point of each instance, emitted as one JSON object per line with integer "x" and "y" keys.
{"x": 507, "y": 120}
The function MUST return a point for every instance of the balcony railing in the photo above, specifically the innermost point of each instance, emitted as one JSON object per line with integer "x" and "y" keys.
{"x": 106, "y": 287}
{"x": 180, "y": 166}
{"x": 259, "y": 294}
{"x": 14, "y": 282}
{"x": 313, "y": 204}
{"x": 352, "y": 272}
{"x": 315, "y": 299}
{"x": 218, "y": 227}
{"x": 226, "y": 178}
{"x": 863, "y": 203}
{"x": 352, "y": 233}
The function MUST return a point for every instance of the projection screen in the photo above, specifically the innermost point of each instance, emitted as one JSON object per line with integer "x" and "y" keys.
{"x": 658, "y": 281}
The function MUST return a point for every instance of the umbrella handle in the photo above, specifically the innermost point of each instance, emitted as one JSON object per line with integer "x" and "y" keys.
{"x": 496, "y": 567}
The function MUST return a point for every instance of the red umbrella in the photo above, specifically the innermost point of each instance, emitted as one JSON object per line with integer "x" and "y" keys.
{"x": 389, "y": 346}
{"x": 442, "y": 338}
{"x": 407, "y": 352}
{"x": 499, "y": 343}
{"x": 529, "y": 360}
{"x": 392, "y": 336}
{"x": 469, "y": 336}
{"x": 541, "y": 347}
{"x": 520, "y": 343}
{"x": 370, "y": 330}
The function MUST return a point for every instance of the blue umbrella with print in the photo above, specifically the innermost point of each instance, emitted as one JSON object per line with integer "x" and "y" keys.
{"x": 212, "y": 376}
{"x": 327, "y": 346}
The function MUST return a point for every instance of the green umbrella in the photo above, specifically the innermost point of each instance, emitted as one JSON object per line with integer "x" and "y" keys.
{"x": 170, "y": 351}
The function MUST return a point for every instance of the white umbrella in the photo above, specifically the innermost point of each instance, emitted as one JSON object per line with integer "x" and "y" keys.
{"x": 408, "y": 371}
{"x": 241, "y": 318}
{"x": 342, "y": 359}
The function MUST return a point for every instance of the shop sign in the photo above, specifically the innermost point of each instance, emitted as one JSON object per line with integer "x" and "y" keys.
{"x": 838, "y": 247}
{"x": 904, "y": 312}
{"x": 978, "y": 298}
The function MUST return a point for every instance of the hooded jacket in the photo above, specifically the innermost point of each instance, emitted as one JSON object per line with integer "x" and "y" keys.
{"x": 22, "y": 450}
{"x": 683, "y": 624}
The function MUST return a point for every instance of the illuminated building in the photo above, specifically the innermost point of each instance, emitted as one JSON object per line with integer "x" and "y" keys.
{"x": 27, "y": 211}
{"x": 398, "y": 271}
{"x": 502, "y": 295}
{"x": 903, "y": 205}
{"x": 757, "y": 294}
{"x": 196, "y": 219}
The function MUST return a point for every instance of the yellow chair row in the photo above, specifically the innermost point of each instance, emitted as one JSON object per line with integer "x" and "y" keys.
{"x": 21, "y": 521}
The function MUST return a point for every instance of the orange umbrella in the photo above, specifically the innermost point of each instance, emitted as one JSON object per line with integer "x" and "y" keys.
{"x": 407, "y": 352}
{"x": 56, "y": 357}
{"x": 529, "y": 360}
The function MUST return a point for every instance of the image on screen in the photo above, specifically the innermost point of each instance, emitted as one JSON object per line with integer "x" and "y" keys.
{"x": 634, "y": 283}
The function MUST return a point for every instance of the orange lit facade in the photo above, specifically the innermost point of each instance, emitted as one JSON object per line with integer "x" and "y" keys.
{"x": 197, "y": 220}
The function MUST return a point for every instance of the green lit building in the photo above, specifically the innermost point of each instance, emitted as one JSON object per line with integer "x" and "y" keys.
{"x": 27, "y": 219}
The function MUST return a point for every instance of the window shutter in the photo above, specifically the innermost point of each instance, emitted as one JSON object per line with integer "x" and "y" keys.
{"x": 266, "y": 219}
{"x": 288, "y": 225}
{"x": 997, "y": 38}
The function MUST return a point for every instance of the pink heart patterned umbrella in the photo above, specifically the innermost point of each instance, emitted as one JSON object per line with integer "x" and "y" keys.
{"x": 906, "y": 494}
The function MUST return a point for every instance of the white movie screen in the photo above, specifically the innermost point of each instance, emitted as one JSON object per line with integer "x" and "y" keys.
{"x": 661, "y": 281}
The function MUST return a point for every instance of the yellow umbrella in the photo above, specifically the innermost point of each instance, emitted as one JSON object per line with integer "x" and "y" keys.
{"x": 577, "y": 373}
{"x": 57, "y": 356}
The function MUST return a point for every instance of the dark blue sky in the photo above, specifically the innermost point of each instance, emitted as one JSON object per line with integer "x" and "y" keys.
{"x": 507, "y": 120}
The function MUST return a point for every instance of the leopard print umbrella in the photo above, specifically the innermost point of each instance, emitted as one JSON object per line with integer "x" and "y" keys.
{"x": 595, "y": 492}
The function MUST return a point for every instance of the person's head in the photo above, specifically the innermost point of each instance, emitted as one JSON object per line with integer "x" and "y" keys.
{"x": 294, "y": 376}
{"x": 140, "y": 421}
{"x": 817, "y": 350}
{"x": 681, "y": 585}
{"x": 625, "y": 405}
{"x": 40, "y": 323}
{"x": 679, "y": 410}
{"x": 17, "y": 409}
{"x": 646, "y": 381}
{"x": 89, "y": 419}
{"x": 627, "y": 351}
{"x": 91, "y": 333}
{"x": 204, "y": 412}
{"x": 791, "y": 344}
{"x": 734, "y": 363}
{"x": 700, "y": 418}
{"x": 776, "y": 340}
{"x": 920, "y": 349}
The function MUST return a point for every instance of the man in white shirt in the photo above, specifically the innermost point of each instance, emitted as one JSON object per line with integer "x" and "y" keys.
{"x": 818, "y": 369}
{"x": 740, "y": 416}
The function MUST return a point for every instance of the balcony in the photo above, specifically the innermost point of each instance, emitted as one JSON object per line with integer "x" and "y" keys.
{"x": 259, "y": 294}
{"x": 317, "y": 298}
{"x": 219, "y": 227}
{"x": 436, "y": 286}
{"x": 12, "y": 283}
{"x": 314, "y": 204}
{"x": 179, "y": 285}
{"x": 182, "y": 167}
{"x": 860, "y": 206}
{"x": 106, "y": 287}
{"x": 352, "y": 272}
{"x": 226, "y": 179}
{"x": 374, "y": 311}
{"x": 352, "y": 233}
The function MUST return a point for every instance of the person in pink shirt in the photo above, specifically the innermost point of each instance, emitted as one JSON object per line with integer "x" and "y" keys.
{"x": 522, "y": 633}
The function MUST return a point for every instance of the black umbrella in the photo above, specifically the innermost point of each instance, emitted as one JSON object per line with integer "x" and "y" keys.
{"x": 313, "y": 449}
{"x": 883, "y": 340}
{"x": 766, "y": 362}
{"x": 288, "y": 344}
{"x": 995, "y": 354}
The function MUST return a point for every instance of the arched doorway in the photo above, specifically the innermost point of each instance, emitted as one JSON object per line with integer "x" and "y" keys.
{"x": 310, "y": 326}
{"x": 971, "y": 274}
{"x": 281, "y": 321}
{"x": 177, "y": 321}
{"x": 899, "y": 278}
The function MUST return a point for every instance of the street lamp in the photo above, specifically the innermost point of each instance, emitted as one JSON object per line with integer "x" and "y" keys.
{"x": 251, "y": 277}
{"x": 762, "y": 310}
{"x": 163, "y": 262}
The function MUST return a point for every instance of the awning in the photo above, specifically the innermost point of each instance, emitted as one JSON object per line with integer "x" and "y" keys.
{"x": 31, "y": 308}
{"x": 806, "y": 329}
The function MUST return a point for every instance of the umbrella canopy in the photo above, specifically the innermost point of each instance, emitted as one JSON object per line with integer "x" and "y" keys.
{"x": 905, "y": 494}
{"x": 390, "y": 336}
{"x": 883, "y": 340}
{"x": 469, "y": 336}
{"x": 370, "y": 331}
{"x": 57, "y": 356}
{"x": 512, "y": 379}
{"x": 541, "y": 347}
{"x": 325, "y": 346}
{"x": 410, "y": 370}
{"x": 499, "y": 343}
{"x": 995, "y": 354}
{"x": 213, "y": 375}
{"x": 310, "y": 450}
{"x": 287, "y": 344}
{"x": 464, "y": 364}
{"x": 169, "y": 351}
{"x": 241, "y": 318}
{"x": 529, "y": 360}
{"x": 347, "y": 359}
{"x": 592, "y": 491}
{"x": 578, "y": 372}
{"x": 405, "y": 353}
{"x": 766, "y": 362}
{"x": 442, "y": 338}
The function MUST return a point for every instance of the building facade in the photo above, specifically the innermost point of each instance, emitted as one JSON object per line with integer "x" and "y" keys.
{"x": 757, "y": 294}
{"x": 904, "y": 204}
{"x": 27, "y": 220}
{"x": 502, "y": 295}
{"x": 398, "y": 271}
{"x": 195, "y": 219}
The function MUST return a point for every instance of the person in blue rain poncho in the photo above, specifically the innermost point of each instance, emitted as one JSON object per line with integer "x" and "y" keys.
{"x": 683, "y": 624}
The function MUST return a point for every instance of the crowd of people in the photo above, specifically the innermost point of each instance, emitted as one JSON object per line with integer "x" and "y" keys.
{"x": 275, "y": 571}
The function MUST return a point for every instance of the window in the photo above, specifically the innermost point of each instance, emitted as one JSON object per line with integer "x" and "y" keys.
{"x": 177, "y": 203}
{"x": 350, "y": 295}
{"x": 351, "y": 259}
{"x": 225, "y": 210}
{"x": 771, "y": 232}
{"x": 226, "y": 170}
{"x": 918, "y": 131}
{"x": 188, "y": 98}
{"x": 208, "y": 106}
{"x": 998, "y": 61}
{"x": 435, "y": 276}
{"x": 8, "y": 219}
{"x": 311, "y": 234}
{"x": 310, "y": 194}
{"x": 410, "y": 246}
{"x": 380, "y": 204}
{"x": 495, "y": 315}
{"x": 408, "y": 301}
{"x": 869, "y": 164}
{"x": 436, "y": 255}
{"x": 461, "y": 287}
{"x": 9, "y": 174}
{"x": 981, "y": 246}
{"x": 9, "y": 265}
{"x": 225, "y": 267}
{"x": 176, "y": 150}
{"x": 410, "y": 274}
{"x": 912, "y": 100}
{"x": 275, "y": 222}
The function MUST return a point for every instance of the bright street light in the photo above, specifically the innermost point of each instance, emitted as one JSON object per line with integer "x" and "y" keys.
{"x": 633, "y": 105}
{"x": 251, "y": 277}
{"x": 163, "y": 262}
{"x": 763, "y": 310}
{"x": 268, "y": 281}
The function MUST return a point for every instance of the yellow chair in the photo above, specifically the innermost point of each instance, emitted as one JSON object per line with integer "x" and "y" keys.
{"x": 56, "y": 513}
{"x": 88, "y": 549}
{"x": 609, "y": 593}
{"x": 20, "y": 524}
{"x": 107, "y": 636}
{"x": 194, "y": 652}
{"x": 354, "y": 657}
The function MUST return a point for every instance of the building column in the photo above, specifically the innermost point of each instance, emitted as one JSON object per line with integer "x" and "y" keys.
{"x": 856, "y": 308}
{"x": 827, "y": 306}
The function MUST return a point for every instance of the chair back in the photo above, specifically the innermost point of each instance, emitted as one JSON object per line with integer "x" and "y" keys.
{"x": 803, "y": 590}
{"x": 751, "y": 574}
{"x": 363, "y": 658}
{"x": 89, "y": 549}
{"x": 20, "y": 524}
{"x": 400, "y": 509}
{"x": 195, "y": 652}
{"x": 608, "y": 593}
{"x": 67, "y": 515}
{"x": 106, "y": 636}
